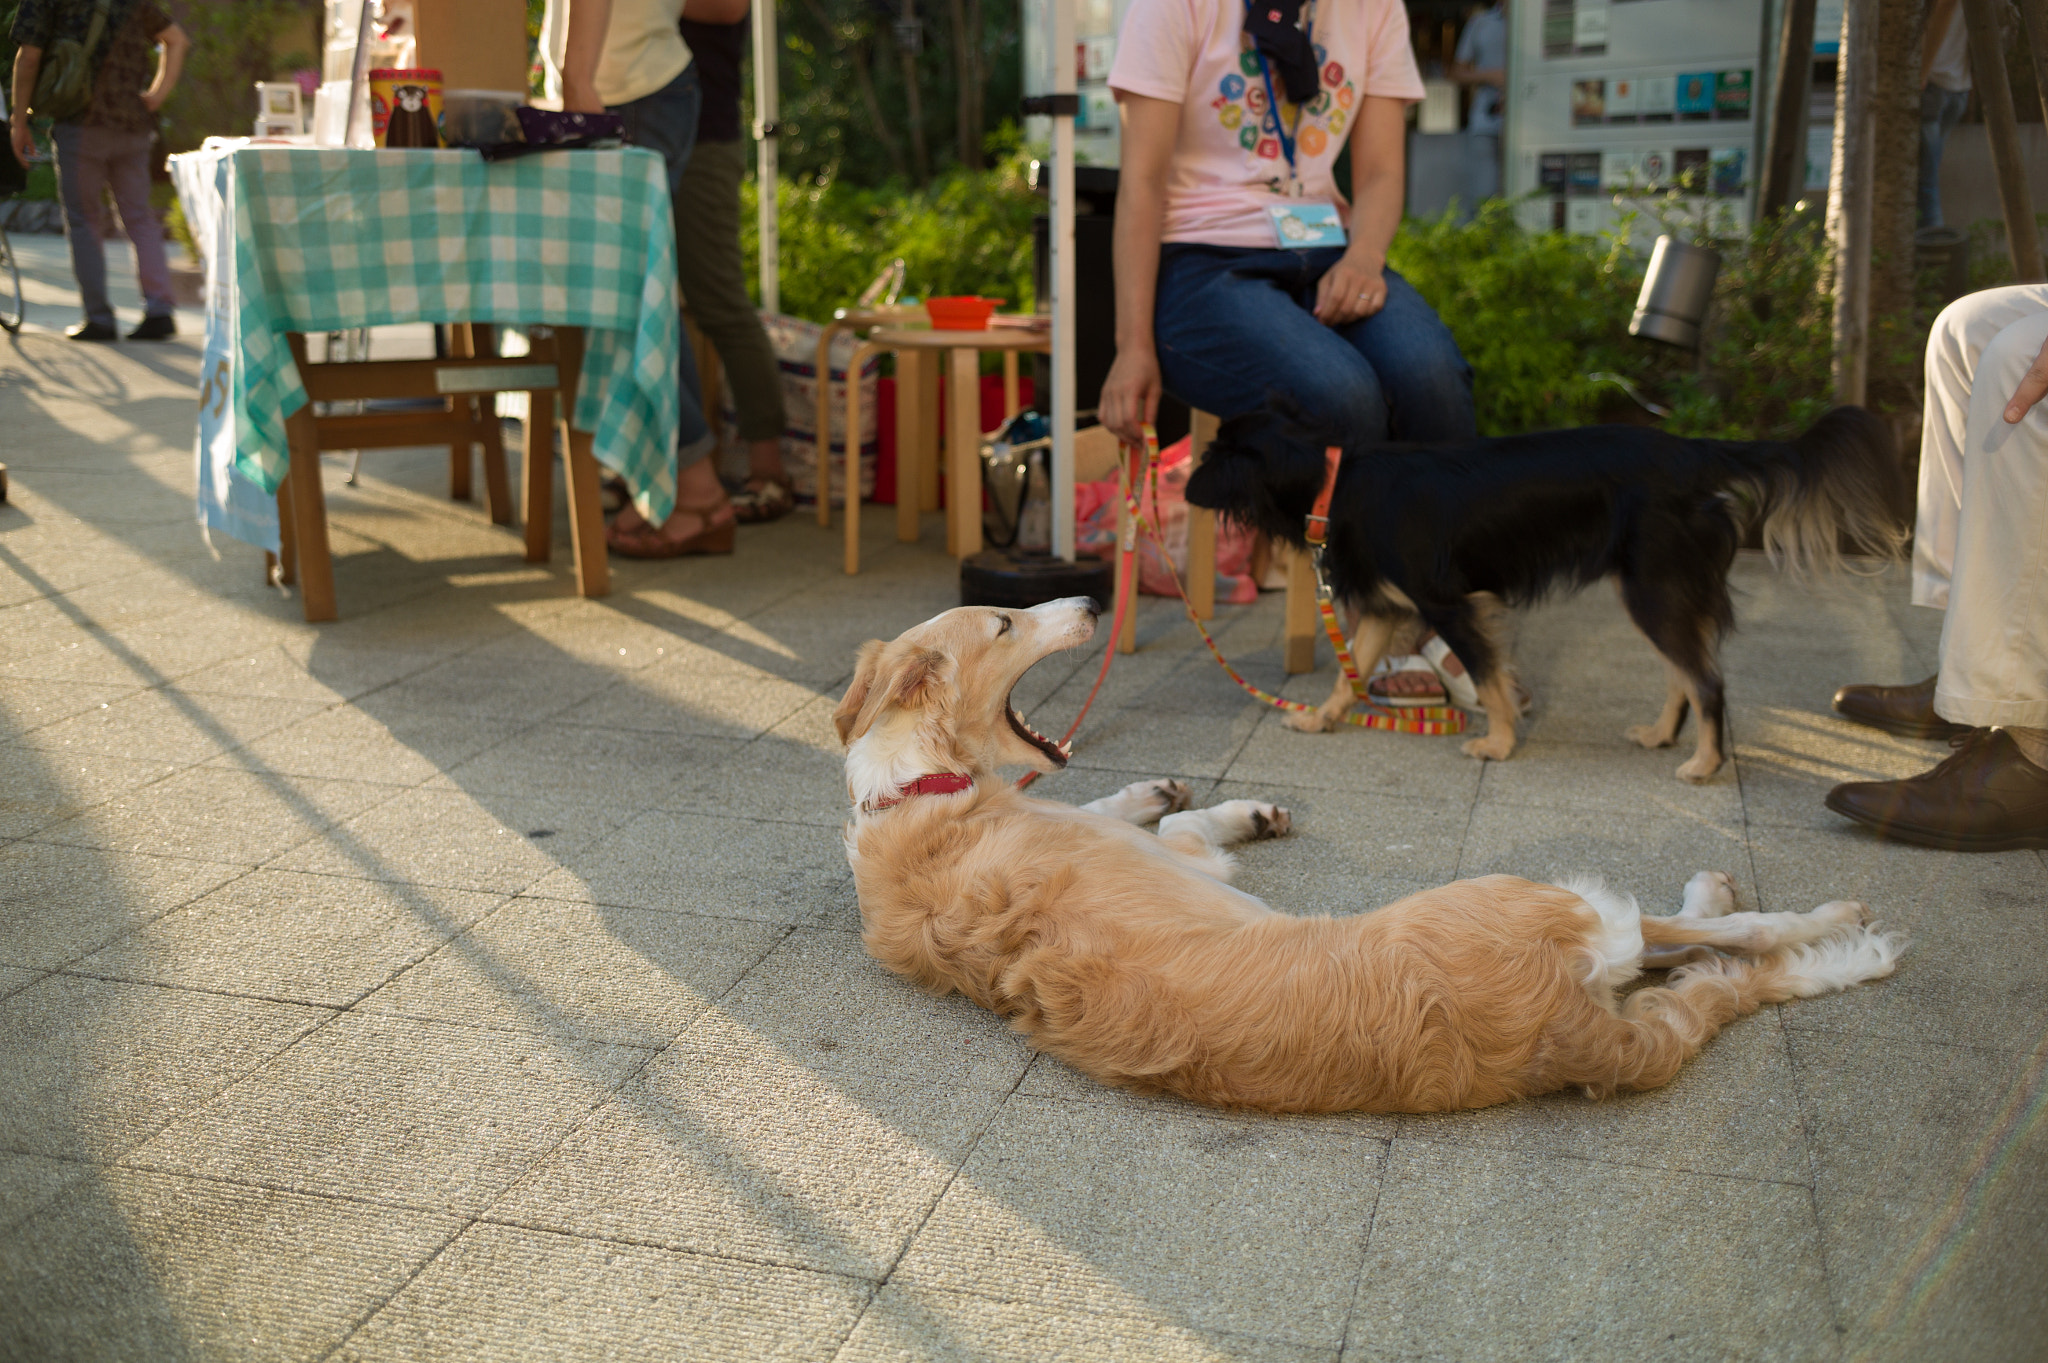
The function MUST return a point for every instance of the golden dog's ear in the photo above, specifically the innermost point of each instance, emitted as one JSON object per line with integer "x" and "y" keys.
{"x": 915, "y": 676}
{"x": 857, "y": 692}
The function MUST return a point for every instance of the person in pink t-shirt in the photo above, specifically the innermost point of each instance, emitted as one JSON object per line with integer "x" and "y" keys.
{"x": 1240, "y": 266}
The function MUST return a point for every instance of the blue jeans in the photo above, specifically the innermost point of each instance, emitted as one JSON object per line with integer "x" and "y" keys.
{"x": 666, "y": 121}
{"x": 1233, "y": 321}
{"x": 1940, "y": 110}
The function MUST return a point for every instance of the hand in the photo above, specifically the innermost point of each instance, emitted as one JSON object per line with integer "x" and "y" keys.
{"x": 579, "y": 98}
{"x": 1130, "y": 395}
{"x": 2030, "y": 390}
{"x": 1355, "y": 287}
{"x": 24, "y": 141}
{"x": 153, "y": 100}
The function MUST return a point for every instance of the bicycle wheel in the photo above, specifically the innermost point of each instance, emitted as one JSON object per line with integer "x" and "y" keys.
{"x": 10, "y": 286}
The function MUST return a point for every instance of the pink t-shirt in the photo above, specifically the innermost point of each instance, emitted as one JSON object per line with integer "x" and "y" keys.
{"x": 1228, "y": 164}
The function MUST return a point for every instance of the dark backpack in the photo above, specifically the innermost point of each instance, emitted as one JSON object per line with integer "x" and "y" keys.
{"x": 64, "y": 81}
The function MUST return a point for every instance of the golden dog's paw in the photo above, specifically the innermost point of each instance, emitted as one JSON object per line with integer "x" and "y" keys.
{"x": 1491, "y": 748}
{"x": 1648, "y": 736}
{"x": 1270, "y": 821}
{"x": 1848, "y": 912}
{"x": 1698, "y": 768}
{"x": 1175, "y": 793}
{"x": 1709, "y": 894}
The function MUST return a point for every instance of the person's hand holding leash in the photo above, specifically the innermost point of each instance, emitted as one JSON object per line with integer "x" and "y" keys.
{"x": 24, "y": 141}
{"x": 1130, "y": 395}
{"x": 2030, "y": 391}
{"x": 1355, "y": 287}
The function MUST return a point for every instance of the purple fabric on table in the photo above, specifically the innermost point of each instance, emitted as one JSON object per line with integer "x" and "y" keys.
{"x": 545, "y": 126}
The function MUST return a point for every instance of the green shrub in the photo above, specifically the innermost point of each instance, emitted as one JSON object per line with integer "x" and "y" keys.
{"x": 969, "y": 232}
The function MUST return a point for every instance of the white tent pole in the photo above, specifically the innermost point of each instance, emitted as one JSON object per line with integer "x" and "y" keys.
{"x": 767, "y": 126}
{"x": 1063, "y": 88}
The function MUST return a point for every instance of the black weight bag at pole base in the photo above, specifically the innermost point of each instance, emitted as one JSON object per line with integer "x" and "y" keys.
{"x": 1018, "y": 570}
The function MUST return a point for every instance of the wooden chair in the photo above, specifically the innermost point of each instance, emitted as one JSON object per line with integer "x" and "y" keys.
{"x": 469, "y": 383}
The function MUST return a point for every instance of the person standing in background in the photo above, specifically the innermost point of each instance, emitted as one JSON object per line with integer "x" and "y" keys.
{"x": 1944, "y": 93}
{"x": 1481, "y": 62}
{"x": 628, "y": 57}
{"x": 107, "y": 146}
{"x": 714, "y": 273}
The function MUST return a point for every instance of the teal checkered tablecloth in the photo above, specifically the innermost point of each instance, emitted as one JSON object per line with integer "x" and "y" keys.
{"x": 312, "y": 240}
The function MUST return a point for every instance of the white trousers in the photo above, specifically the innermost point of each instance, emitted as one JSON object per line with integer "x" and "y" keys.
{"x": 1981, "y": 542}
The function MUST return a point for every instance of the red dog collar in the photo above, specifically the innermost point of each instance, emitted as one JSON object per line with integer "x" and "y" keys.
{"x": 1319, "y": 518}
{"x": 938, "y": 783}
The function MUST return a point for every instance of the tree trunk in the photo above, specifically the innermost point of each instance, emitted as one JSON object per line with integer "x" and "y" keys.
{"x": 1994, "y": 93}
{"x": 876, "y": 123}
{"x": 1894, "y": 190}
{"x": 1848, "y": 221}
{"x": 1784, "y": 174}
{"x": 976, "y": 65}
{"x": 966, "y": 136}
{"x": 913, "y": 101}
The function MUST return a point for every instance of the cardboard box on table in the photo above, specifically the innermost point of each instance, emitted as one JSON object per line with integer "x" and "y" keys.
{"x": 474, "y": 44}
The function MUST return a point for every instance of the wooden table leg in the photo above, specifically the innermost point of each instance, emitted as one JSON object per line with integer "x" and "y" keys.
{"x": 963, "y": 454}
{"x": 1201, "y": 530}
{"x": 821, "y": 436}
{"x": 460, "y": 460}
{"x": 910, "y": 454}
{"x": 490, "y": 431}
{"x": 586, "y": 509}
{"x": 537, "y": 489}
{"x": 309, "y": 516}
{"x": 924, "y": 415}
{"x": 861, "y": 354}
{"x": 1298, "y": 647}
{"x": 285, "y": 561}
{"x": 1011, "y": 404}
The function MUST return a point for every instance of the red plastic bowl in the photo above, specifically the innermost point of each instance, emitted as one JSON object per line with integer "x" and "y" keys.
{"x": 970, "y": 313}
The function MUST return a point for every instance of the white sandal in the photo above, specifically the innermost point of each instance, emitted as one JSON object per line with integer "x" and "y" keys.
{"x": 1412, "y": 662}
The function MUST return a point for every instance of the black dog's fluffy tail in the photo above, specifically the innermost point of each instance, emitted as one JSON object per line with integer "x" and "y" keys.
{"x": 1838, "y": 480}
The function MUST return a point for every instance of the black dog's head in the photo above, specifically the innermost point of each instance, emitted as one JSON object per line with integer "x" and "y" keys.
{"x": 1264, "y": 469}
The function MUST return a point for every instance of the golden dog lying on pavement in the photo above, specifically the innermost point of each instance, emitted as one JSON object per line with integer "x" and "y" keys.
{"x": 1129, "y": 956}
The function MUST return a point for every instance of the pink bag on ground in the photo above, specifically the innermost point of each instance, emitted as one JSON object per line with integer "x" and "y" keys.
{"x": 1095, "y": 532}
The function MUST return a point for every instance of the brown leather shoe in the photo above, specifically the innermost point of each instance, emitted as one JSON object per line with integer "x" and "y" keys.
{"x": 1987, "y": 797}
{"x": 1907, "y": 711}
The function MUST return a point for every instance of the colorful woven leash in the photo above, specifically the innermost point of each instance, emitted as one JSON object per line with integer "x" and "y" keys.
{"x": 1430, "y": 720}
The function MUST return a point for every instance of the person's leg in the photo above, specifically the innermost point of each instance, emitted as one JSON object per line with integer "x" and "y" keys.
{"x": 1231, "y": 326}
{"x": 714, "y": 277}
{"x": 81, "y": 178}
{"x": 1932, "y": 135}
{"x": 128, "y": 174}
{"x": 1424, "y": 377}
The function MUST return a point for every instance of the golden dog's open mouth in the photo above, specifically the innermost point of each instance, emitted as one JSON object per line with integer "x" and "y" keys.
{"x": 1056, "y": 752}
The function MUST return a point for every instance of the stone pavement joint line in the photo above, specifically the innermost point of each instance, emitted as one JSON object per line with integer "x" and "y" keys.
{"x": 477, "y": 976}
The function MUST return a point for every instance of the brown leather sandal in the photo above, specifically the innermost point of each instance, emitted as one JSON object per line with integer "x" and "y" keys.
{"x": 647, "y": 541}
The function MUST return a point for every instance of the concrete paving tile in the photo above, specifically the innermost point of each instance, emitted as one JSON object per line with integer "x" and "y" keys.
{"x": 571, "y": 760}
{"x": 1079, "y": 785}
{"x": 1914, "y": 1121}
{"x": 477, "y": 1300}
{"x": 61, "y": 902}
{"x": 1789, "y": 759}
{"x": 371, "y": 743}
{"x": 822, "y": 999}
{"x": 1613, "y": 778}
{"x": 1733, "y": 1110}
{"x": 690, "y": 863}
{"x": 27, "y": 1182}
{"x": 1353, "y": 758}
{"x": 91, "y": 1068}
{"x": 769, "y": 778}
{"x": 170, "y": 726}
{"x": 1648, "y": 857}
{"x": 281, "y": 673}
{"x": 757, "y": 1157}
{"x": 138, "y": 1265}
{"x": 396, "y": 1110}
{"x": 1593, "y": 1261}
{"x": 38, "y": 789}
{"x": 1246, "y": 1225}
{"x": 14, "y": 979}
{"x": 219, "y": 815}
{"x": 1051, "y": 1078}
{"x": 1137, "y": 739}
{"x": 588, "y": 632}
{"x": 1956, "y": 1278}
{"x": 603, "y": 974}
{"x": 1349, "y": 851}
{"x": 1976, "y": 926}
{"x": 673, "y": 699}
{"x": 497, "y": 843}
{"x": 146, "y": 654}
{"x": 924, "y": 1323}
{"x": 30, "y": 705}
{"x": 466, "y": 686}
{"x": 325, "y": 940}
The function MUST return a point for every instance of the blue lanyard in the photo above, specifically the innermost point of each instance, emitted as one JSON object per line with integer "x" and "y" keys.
{"x": 1273, "y": 101}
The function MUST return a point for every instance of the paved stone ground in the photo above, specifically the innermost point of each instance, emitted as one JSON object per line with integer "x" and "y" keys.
{"x": 476, "y": 977}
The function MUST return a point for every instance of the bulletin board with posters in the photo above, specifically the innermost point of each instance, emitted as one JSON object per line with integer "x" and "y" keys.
{"x": 1097, "y": 136}
{"x": 1612, "y": 95}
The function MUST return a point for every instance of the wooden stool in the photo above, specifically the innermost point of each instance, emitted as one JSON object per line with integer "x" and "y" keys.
{"x": 1298, "y": 632}
{"x": 914, "y": 467}
{"x": 917, "y": 403}
{"x": 471, "y": 384}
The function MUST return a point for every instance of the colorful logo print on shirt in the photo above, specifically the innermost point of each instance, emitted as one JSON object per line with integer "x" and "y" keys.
{"x": 1242, "y": 107}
